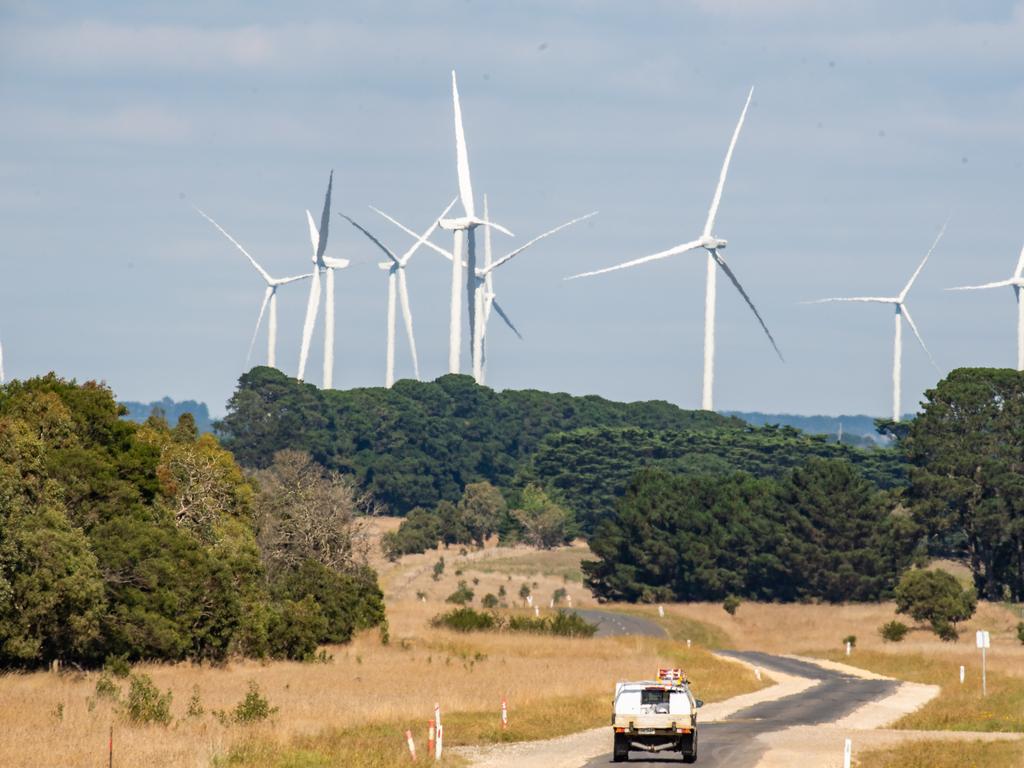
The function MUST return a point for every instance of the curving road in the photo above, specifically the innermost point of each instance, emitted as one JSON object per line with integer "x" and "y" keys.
{"x": 614, "y": 623}
{"x": 733, "y": 743}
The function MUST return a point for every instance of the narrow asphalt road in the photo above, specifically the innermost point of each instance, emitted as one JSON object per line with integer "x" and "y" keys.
{"x": 614, "y": 623}
{"x": 732, "y": 743}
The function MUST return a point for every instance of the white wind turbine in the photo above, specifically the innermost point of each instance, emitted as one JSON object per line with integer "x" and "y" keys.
{"x": 1016, "y": 282}
{"x": 269, "y": 296}
{"x": 899, "y": 302}
{"x": 395, "y": 267}
{"x": 326, "y": 265}
{"x": 3, "y": 376}
{"x": 713, "y": 245}
{"x": 462, "y": 227}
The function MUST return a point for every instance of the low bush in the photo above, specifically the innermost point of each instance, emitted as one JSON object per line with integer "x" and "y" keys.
{"x": 731, "y": 604}
{"x": 145, "y": 703}
{"x": 1020, "y": 632}
{"x": 254, "y": 708}
{"x": 461, "y": 596}
{"x": 563, "y": 623}
{"x": 569, "y": 624}
{"x": 467, "y": 620}
{"x": 489, "y": 601}
{"x": 893, "y": 631}
{"x": 851, "y": 639}
{"x": 106, "y": 688}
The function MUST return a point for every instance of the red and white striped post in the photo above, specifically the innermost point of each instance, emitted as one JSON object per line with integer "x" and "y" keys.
{"x": 412, "y": 745}
{"x": 438, "y": 733}
{"x": 430, "y": 737}
{"x": 504, "y": 715}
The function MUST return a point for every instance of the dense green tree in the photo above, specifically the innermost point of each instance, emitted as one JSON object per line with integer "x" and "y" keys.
{"x": 935, "y": 597}
{"x": 542, "y": 523}
{"x": 967, "y": 481}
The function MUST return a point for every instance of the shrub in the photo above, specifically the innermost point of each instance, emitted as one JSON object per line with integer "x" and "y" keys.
{"x": 1020, "y": 632}
{"x": 195, "y": 705}
{"x": 501, "y": 591}
{"x": 559, "y": 595}
{"x": 438, "y": 569}
{"x": 117, "y": 666}
{"x": 937, "y": 598}
{"x": 145, "y": 703}
{"x": 461, "y": 596}
{"x": 254, "y": 708}
{"x": 526, "y": 624}
{"x": 893, "y": 631}
{"x": 730, "y": 604}
{"x": 107, "y": 688}
{"x": 851, "y": 639}
{"x": 466, "y": 620}
{"x": 524, "y": 591}
{"x": 570, "y": 624}
{"x": 490, "y": 601}
{"x": 295, "y": 629}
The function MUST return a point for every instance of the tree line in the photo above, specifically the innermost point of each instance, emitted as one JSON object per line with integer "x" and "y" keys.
{"x": 147, "y": 541}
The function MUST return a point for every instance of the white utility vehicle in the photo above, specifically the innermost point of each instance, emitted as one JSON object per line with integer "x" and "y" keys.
{"x": 656, "y": 716}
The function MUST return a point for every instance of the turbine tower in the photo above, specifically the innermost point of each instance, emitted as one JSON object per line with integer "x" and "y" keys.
{"x": 395, "y": 267}
{"x": 1016, "y": 282}
{"x": 326, "y": 265}
{"x": 269, "y": 296}
{"x": 3, "y": 376}
{"x": 900, "y": 305}
{"x": 462, "y": 228}
{"x": 714, "y": 246}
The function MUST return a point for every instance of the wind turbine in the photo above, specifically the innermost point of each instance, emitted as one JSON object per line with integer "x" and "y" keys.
{"x": 462, "y": 228}
{"x": 395, "y": 267}
{"x": 269, "y": 296}
{"x": 3, "y": 376}
{"x": 899, "y": 302}
{"x": 713, "y": 245}
{"x": 482, "y": 294}
{"x": 1015, "y": 282}
{"x": 327, "y": 265}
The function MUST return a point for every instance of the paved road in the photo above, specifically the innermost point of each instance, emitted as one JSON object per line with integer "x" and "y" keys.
{"x": 615, "y": 623}
{"x": 732, "y": 742}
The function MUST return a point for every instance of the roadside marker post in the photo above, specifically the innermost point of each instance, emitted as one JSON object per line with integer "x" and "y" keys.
{"x": 504, "y": 715}
{"x": 849, "y": 647}
{"x": 847, "y": 753}
{"x": 961, "y": 674}
{"x": 552, "y": 603}
{"x": 110, "y": 749}
{"x": 536, "y": 611}
{"x": 661, "y": 611}
{"x": 757, "y": 673}
{"x": 412, "y": 745}
{"x": 430, "y": 737}
{"x": 984, "y": 642}
{"x": 438, "y": 733}
{"x": 529, "y": 600}
{"x": 569, "y": 600}
{"x": 687, "y": 642}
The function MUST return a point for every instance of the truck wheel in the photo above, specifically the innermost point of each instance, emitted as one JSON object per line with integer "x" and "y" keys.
{"x": 691, "y": 756}
{"x": 620, "y": 751}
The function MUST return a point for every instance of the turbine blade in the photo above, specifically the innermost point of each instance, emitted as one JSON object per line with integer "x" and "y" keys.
{"x": 259, "y": 320}
{"x": 325, "y": 219}
{"x": 997, "y": 284}
{"x": 404, "y": 259}
{"x": 874, "y": 299}
{"x": 488, "y": 260}
{"x": 312, "y": 305}
{"x": 261, "y": 270}
{"x": 520, "y": 249}
{"x": 390, "y": 254}
{"x": 401, "y": 226}
{"x": 913, "y": 277}
{"x": 314, "y": 236}
{"x": 746, "y": 298}
{"x": 498, "y": 227}
{"x": 403, "y": 293}
{"x": 506, "y": 319}
{"x": 653, "y": 257}
{"x": 286, "y": 280}
{"x": 717, "y": 199}
{"x": 917, "y": 333}
{"x": 1019, "y": 271}
{"x": 461, "y": 154}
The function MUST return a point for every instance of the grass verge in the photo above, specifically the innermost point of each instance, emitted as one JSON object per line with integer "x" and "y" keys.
{"x": 958, "y": 707}
{"x": 946, "y": 754}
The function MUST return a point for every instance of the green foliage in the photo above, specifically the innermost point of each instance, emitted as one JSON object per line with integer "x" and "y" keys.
{"x": 480, "y": 513}
{"x": 419, "y": 531}
{"x": 466, "y": 620}
{"x": 935, "y": 597}
{"x": 295, "y": 629}
{"x": 542, "y": 523}
{"x": 893, "y": 631}
{"x": 195, "y": 705}
{"x": 821, "y": 531}
{"x": 559, "y": 595}
{"x": 731, "y": 604}
{"x": 850, "y": 640}
{"x": 419, "y": 443}
{"x": 589, "y": 470}
{"x": 489, "y": 601}
{"x": 118, "y": 666}
{"x": 461, "y": 596}
{"x": 967, "y": 487}
{"x": 1020, "y": 632}
{"x": 524, "y": 591}
{"x": 254, "y": 708}
{"x": 144, "y": 703}
{"x": 106, "y": 688}
{"x": 438, "y": 569}
{"x": 569, "y": 624}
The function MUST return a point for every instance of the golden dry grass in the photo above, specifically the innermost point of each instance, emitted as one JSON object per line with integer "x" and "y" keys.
{"x": 945, "y": 754}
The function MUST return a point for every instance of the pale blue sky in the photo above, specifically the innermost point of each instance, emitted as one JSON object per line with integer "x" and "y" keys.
{"x": 872, "y": 123}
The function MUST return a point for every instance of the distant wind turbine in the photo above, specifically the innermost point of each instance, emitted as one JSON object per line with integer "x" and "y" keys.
{"x": 396, "y": 266}
{"x": 462, "y": 228}
{"x": 1016, "y": 282}
{"x": 899, "y": 302}
{"x": 269, "y": 296}
{"x": 713, "y": 245}
{"x": 326, "y": 265}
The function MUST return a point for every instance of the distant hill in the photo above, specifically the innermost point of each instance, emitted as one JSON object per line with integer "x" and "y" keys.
{"x": 857, "y": 429}
{"x": 139, "y": 412}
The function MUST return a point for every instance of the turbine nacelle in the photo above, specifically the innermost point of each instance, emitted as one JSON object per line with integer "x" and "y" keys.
{"x": 711, "y": 243}
{"x": 470, "y": 222}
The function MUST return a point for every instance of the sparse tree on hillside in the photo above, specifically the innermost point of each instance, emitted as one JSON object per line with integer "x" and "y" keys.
{"x": 545, "y": 524}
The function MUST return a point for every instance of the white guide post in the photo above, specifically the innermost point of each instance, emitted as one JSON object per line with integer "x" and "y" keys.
{"x": 661, "y": 611}
{"x": 707, "y": 395}
{"x": 847, "y": 753}
{"x": 961, "y": 674}
{"x": 897, "y": 358}
{"x": 438, "y": 737}
{"x": 984, "y": 642}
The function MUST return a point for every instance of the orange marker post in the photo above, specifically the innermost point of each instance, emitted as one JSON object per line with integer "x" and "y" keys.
{"x": 504, "y": 715}
{"x": 412, "y": 745}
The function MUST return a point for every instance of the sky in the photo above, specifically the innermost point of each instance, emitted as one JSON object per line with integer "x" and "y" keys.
{"x": 872, "y": 124}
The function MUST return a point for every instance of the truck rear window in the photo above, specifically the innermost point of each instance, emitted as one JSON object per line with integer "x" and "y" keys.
{"x": 653, "y": 697}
